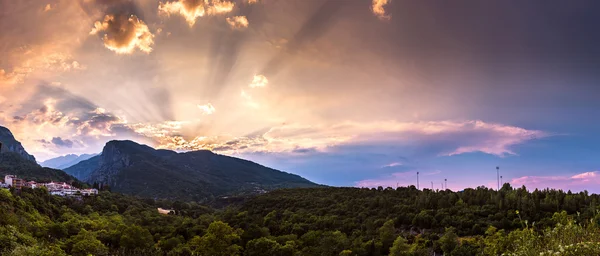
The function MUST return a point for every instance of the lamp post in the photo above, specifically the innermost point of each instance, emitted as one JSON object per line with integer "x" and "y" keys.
{"x": 498, "y": 176}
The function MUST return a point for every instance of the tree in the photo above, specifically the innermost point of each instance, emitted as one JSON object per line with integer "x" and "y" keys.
{"x": 85, "y": 243}
{"x": 387, "y": 234}
{"x": 219, "y": 240}
{"x": 449, "y": 241}
{"x": 400, "y": 247}
{"x": 324, "y": 243}
{"x": 51, "y": 250}
{"x": 346, "y": 253}
{"x": 494, "y": 241}
{"x": 169, "y": 244}
{"x": 136, "y": 237}
{"x": 262, "y": 247}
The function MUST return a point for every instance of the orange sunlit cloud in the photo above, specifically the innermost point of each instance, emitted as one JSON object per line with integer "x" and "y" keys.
{"x": 237, "y": 22}
{"x": 193, "y": 9}
{"x": 123, "y": 34}
{"x": 207, "y": 109}
{"x": 287, "y": 138}
{"x": 259, "y": 81}
{"x": 378, "y": 9}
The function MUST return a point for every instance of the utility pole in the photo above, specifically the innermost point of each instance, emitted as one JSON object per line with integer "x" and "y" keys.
{"x": 417, "y": 180}
{"x": 498, "y": 176}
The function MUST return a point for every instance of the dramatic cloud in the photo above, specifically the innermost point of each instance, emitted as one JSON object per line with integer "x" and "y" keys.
{"x": 37, "y": 43}
{"x": 576, "y": 182}
{"x": 192, "y": 9}
{"x": 315, "y": 94}
{"x": 123, "y": 34}
{"x": 59, "y": 142}
{"x": 259, "y": 81}
{"x": 438, "y": 138}
{"x": 38, "y": 61}
{"x": 378, "y": 10}
{"x": 207, "y": 109}
{"x": 98, "y": 123}
{"x": 237, "y": 22}
{"x": 158, "y": 131}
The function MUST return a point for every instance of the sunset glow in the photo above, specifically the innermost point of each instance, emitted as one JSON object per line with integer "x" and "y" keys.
{"x": 344, "y": 93}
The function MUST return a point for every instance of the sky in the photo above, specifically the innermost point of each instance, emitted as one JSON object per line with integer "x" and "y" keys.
{"x": 359, "y": 93}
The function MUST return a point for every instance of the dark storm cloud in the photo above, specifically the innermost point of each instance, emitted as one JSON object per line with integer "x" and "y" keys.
{"x": 63, "y": 143}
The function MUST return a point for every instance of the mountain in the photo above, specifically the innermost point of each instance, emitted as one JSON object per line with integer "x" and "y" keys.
{"x": 84, "y": 169}
{"x": 131, "y": 168}
{"x": 14, "y": 163}
{"x": 15, "y": 160}
{"x": 63, "y": 162}
{"x": 10, "y": 144}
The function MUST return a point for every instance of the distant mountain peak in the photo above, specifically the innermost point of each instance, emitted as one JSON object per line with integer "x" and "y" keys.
{"x": 66, "y": 161}
{"x": 10, "y": 144}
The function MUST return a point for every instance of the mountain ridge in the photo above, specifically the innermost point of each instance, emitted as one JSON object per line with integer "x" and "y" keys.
{"x": 133, "y": 168}
{"x": 10, "y": 144}
{"x": 15, "y": 160}
{"x": 66, "y": 161}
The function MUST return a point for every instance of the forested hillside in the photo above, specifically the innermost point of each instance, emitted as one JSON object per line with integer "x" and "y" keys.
{"x": 13, "y": 163}
{"x": 315, "y": 221}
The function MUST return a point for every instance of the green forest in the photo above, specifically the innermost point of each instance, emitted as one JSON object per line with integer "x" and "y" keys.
{"x": 306, "y": 221}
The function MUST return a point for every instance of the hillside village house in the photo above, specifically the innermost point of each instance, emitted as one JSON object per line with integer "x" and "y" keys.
{"x": 54, "y": 188}
{"x": 13, "y": 181}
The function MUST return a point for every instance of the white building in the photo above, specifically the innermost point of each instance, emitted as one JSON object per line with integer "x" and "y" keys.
{"x": 8, "y": 179}
{"x": 89, "y": 191}
{"x": 54, "y": 188}
{"x": 164, "y": 211}
{"x": 31, "y": 184}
